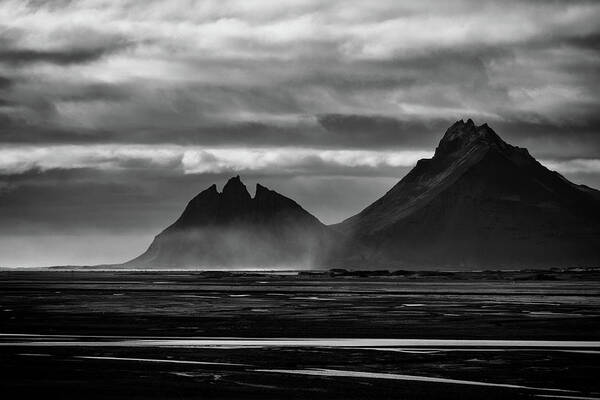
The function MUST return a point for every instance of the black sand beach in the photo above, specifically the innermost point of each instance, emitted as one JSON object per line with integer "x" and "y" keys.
{"x": 180, "y": 334}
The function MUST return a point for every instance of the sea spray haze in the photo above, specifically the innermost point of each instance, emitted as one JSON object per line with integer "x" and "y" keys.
{"x": 231, "y": 229}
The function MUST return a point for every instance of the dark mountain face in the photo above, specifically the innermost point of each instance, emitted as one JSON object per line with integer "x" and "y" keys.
{"x": 479, "y": 202}
{"x": 232, "y": 229}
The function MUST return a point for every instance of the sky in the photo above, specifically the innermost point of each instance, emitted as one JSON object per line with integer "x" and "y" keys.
{"x": 113, "y": 114}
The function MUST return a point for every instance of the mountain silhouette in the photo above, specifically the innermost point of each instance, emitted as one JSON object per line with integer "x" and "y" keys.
{"x": 479, "y": 202}
{"x": 232, "y": 229}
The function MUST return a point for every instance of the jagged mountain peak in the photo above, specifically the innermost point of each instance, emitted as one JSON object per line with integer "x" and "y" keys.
{"x": 262, "y": 190}
{"x": 235, "y": 189}
{"x": 264, "y": 194}
{"x": 211, "y": 191}
{"x": 462, "y": 136}
{"x": 479, "y": 202}
{"x": 233, "y": 229}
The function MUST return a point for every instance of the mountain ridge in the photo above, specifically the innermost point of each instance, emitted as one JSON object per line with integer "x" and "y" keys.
{"x": 396, "y": 226}
{"x": 479, "y": 202}
{"x": 234, "y": 229}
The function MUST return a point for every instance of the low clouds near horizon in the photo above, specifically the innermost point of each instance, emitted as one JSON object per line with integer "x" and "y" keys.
{"x": 113, "y": 113}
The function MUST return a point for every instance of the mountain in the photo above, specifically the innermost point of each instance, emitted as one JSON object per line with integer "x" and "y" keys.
{"x": 231, "y": 229}
{"x": 478, "y": 203}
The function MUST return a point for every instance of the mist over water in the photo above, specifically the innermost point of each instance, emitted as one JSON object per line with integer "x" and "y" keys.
{"x": 237, "y": 248}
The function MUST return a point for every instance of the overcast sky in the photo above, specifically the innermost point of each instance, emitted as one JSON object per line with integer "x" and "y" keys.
{"x": 113, "y": 114}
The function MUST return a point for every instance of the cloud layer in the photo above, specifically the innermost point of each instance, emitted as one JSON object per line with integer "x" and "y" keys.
{"x": 202, "y": 160}
{"x": 186, "y": 71}
{"x": 230, "y": 160}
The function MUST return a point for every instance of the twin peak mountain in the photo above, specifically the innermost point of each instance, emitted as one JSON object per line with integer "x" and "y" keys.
{"x": 478, "y": 203}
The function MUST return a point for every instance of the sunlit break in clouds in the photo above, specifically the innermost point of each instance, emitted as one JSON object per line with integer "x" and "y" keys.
{"x": 113, "y": 114}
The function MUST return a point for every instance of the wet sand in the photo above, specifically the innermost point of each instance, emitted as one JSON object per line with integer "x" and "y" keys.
{"x": 97, "y": 334}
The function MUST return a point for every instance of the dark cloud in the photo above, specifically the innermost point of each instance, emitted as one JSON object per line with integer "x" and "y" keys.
{"x": 61, "y": 57}
{"x": 591, "y": 42}
{"x": 95, "y": 92}
{"x": 81, "y": 200}
{"x": 5, "y": 82}
{"x": 382, "y": 131}
{"x": 544, "y": 138}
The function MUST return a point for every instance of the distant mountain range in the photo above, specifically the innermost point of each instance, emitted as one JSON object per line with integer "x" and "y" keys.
{"x": 478, "y": 203}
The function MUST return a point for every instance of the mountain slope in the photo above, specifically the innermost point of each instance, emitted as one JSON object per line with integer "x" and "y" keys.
{"x": 479, "y": 202}
{"x": 232, "y": 229}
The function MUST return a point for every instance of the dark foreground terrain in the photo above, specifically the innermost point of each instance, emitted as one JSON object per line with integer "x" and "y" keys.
{"x": 178, "y": 334}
